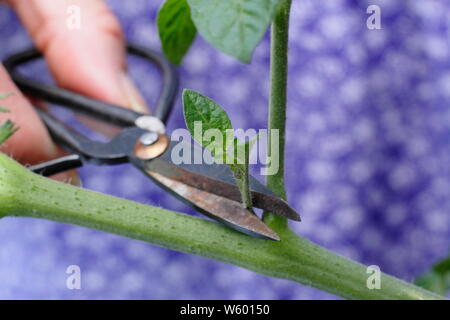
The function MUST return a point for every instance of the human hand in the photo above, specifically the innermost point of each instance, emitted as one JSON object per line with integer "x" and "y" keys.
{"x": 90, "y": 60}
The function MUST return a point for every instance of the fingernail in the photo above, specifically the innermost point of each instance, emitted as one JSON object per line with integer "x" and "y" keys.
{"x": 134, "y": 99}
{"x": 70, "y": 177}
{"x": 74, "y": 179}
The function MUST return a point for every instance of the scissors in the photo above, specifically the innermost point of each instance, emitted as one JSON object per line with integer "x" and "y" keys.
{"x": 143, "y": 142}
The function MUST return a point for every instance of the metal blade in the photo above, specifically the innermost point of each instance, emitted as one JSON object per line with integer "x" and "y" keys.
{"x": 216, "y": 179}
{"x": 219, "y": 208}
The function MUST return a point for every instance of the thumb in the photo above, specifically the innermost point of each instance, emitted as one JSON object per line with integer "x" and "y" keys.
{"x": 89, "y": 60}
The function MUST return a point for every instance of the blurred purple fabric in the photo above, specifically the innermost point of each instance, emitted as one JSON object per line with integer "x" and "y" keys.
{"x": 367, "y": 156}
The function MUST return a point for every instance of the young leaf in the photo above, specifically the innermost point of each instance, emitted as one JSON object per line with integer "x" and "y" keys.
{"x": 438, "y": 279}
{"x": 176, "y": 29}
{"x": 7, "y": 129}
{"x": 233, "y": 26}
{"x": 200, "y": 109}
{"x": 203, "y": 111}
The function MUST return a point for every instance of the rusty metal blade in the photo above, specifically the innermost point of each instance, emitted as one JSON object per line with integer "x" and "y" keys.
{"x": 222, "y": 209}
{"x": 218, "y": 179}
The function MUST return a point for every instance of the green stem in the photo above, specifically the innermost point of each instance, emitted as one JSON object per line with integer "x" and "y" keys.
{"x": 25, "y": 194}
{"x": 242, "y": 181}
{"x": 241, "y": 174}
{"x": 278, "y": 99}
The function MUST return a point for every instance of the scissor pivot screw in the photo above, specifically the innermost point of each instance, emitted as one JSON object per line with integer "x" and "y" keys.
{"x": 148, "y": 147}
{"x": 149, "y": 138}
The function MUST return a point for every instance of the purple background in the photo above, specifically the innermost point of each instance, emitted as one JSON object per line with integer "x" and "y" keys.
{"x": 367, "y": 156}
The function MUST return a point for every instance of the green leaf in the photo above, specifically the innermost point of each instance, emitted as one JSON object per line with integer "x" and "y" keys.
{"x": 7, "y": 129}
{"x": 176, "y": 29}
{"x": 199, "y": 109}
{"x": 202, "y": 114}
{"x": 233, "y": 26}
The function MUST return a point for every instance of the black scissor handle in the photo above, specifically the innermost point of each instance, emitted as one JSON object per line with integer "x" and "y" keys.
{"x": 98, "y": 109}
{"x": 118, "y": 149}
{"x": 52, "y": 167}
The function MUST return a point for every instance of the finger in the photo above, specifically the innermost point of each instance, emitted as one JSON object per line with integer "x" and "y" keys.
{"x": 31, "y": 143}
{"x": 90, "y": 60}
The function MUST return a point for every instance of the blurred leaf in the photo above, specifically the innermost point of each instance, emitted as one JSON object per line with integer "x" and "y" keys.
{"x": 176, "y": 29}
{"x": 233, "y": 26}
{"x": 7, "y": 129}
{"x": 236, "y": 152}
{"x": 199, "y": 109}
{"x": 3, "y": 96}
{"x": 438, "y": 279}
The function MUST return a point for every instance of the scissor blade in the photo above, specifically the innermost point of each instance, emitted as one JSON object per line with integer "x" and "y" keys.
{"x": 219, "y": 208}
{"x": 217, "y": 179}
